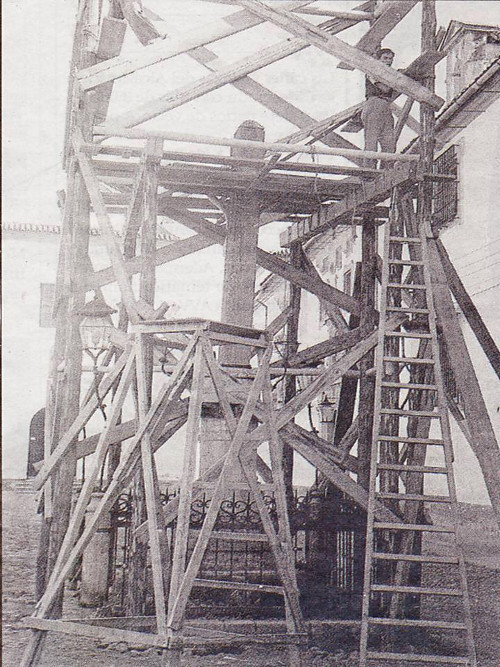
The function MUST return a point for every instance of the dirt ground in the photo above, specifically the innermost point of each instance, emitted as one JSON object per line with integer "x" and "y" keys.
{"x": 479, "y": 537}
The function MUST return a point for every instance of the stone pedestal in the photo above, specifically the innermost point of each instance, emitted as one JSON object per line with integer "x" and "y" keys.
{"x": 95, "y": 561}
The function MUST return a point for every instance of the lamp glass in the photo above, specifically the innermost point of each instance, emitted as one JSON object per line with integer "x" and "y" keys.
{"x": 95, "y": 332}
{"x": 327, "y": 411}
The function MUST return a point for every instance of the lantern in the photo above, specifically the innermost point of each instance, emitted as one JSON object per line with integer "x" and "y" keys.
{"x": 96, "y": 326}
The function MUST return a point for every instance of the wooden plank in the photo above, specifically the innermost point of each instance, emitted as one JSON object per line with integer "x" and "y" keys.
{"x": 340, "y": 49}
{"x": 143, "y": 28}
{"x": 333, "y": 311}
{"x": 469, "y": 309}
{"x": 351, "y": 16}
{"x": 187, "y": 479}
{"x": 106, "y": 229}
{"x": 278, "y": 323}
{"x": 92, "y": 476}
{"x": 84, "y": 415}
{"x": 316, "y": 286}
{"x": 392, "y": 14}
{"x": 369, "y": 239}
{"x": 224, "y": 75}
{"x": 402, "y": 120}
{"x": 159, "y": 564}
{"x": 326, "y": 348}
{"x": 110, "y": 130}
{"x": 349, "y": 438}
{"x": 103, "y": 633}
{"x": 168, "y": 253}
{"x": 160, "y": 51}
{"x": 208, "y": 179}
{"x": 338, "y": 477}
{"x": 281, "y": 546}
{"x": 484, "y": 441}
{"x": 271, "y": 100}
{"x": 171, "y": 390}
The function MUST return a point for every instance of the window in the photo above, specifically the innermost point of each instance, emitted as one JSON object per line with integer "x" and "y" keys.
{"x": 338, "y": 258}
{"x": 347, "y": 282}
{"x": 445, "y": 204}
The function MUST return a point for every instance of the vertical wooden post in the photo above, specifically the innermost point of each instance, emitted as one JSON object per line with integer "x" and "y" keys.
{"x": 154, "y": 149}
{"x": 367, "y": 323}
{"x": 144, "y": 207}
{"x": 348, "y": 386}
{"x": 427, "y": 115}
{"x": 69, "y": 397}
{"x": 240, "y": 251}
{"x": 292, "y": 345}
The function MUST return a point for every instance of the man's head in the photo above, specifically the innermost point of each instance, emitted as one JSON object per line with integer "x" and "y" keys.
{"x": 385, "y": 56}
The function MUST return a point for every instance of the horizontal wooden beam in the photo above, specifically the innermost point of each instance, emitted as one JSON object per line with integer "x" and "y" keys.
{"x": 114, "y": 68}
{"x": 331, "y": 215}
{"x": 196, "y": 178}
{"x": 227, "y": 160}
{"x": 336, "y": 47}
{"x": 351, "y": 16}
{"x": 109, "y": 130}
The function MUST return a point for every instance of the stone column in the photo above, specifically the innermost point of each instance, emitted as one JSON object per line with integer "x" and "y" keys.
{"x": 238, "y": 292}
{"x": 95, "y": 560}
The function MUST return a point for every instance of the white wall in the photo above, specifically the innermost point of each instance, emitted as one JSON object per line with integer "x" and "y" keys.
{"x": 473, "y": 243}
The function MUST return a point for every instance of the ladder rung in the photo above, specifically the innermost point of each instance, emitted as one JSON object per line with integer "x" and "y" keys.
{"x": 406, "y": 286}
{"x": 238, "y": 585}
{"x": 417, "y": 558}
{"x": 409, "y": 413}
{"x": 414, "y": 496}
{"x": 417, "y": 623}
{"x": 408, "y": 385}
{"x": 238, "y": 537}
{"x": 420, "y": 527}
{"x": 417, "y": 590}
{"x": 416, "y": 657}
{"x": 410, "y": 360}
{"x": 410, "y": 441}
{"x": 410, "y": 311}
{"x": 406, "y": 262}
{"x": 400, "y": 467}
{"x": 408, "y": 334}
{"x": 405, "y": 239}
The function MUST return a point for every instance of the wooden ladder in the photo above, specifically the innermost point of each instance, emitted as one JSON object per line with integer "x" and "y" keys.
{"x": 412, "y": 473}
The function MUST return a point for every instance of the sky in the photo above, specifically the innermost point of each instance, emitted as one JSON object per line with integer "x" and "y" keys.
{"x": 37, "y": 42}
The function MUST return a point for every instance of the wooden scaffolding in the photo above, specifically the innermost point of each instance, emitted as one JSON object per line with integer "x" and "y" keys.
{"x": 224, "y": 198}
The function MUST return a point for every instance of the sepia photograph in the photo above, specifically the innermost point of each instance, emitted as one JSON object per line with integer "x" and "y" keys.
{"x": 251, "y": 333}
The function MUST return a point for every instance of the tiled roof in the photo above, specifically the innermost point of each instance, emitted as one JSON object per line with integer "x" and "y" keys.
{"x": 34, "y": 228}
